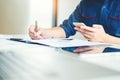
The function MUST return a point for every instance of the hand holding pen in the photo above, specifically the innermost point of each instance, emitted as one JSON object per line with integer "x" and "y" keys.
{"x": 34, "y": 32}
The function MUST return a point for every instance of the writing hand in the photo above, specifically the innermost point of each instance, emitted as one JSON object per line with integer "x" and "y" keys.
{"x": 33, "y": 34}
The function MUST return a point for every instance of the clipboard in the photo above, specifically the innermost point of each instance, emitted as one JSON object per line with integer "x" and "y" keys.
{"x": 60, "y": 42}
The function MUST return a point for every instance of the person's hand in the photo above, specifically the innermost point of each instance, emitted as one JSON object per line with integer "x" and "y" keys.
{"x": 90, "y": 50}
{"x": 33, "y": 34}
{"x": 95, "y": 33}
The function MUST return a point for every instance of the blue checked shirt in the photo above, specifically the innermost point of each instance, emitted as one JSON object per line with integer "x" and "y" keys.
{"x": 103, "y": 12}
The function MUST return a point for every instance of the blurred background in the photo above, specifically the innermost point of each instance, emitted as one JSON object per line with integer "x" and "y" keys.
{"x": 17, "y": 15}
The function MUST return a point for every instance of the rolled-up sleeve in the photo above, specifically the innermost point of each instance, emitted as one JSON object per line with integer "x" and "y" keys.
{"x": 67, "y": 25}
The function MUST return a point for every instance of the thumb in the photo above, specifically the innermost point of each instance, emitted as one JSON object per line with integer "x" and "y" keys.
{"x": 97, "y": 26}
{"x": 39, "y": 35}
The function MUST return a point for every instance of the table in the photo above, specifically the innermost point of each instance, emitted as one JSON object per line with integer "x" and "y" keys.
{"x": 20, "y": 61}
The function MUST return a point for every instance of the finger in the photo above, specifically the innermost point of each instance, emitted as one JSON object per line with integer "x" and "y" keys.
{"x": 78, "y": 29}
{"x": 32, "y": 29}
{"x": 39, "y": 35}
{"x": 36, "y": 35}
{"x": 80, "y": 50}
{"x": 84, "y": 32}
{"x": 33, "y": 33}
{"x": 87, "y": 28}
{"x": 97, "y": 26}
{"x": 88, "y": 37}
{"x": 78, "y": 24}
{"x": 32, "y": 36}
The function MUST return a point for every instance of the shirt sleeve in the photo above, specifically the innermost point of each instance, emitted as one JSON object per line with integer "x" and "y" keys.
{"x": 67, "y": 25}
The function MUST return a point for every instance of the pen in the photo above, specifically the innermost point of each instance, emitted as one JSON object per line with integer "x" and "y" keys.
{"x": 36, "y": 26}
{"x": 15, "y": 39}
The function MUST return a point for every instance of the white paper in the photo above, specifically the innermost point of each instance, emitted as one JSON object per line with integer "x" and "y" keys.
{"x": 67, "y": 42}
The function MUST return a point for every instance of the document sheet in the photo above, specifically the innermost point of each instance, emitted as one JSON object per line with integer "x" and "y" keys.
{"x": 66, "y": 42}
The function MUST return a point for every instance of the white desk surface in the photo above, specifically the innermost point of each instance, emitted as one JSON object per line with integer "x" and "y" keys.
{"x": 20, "y": 61}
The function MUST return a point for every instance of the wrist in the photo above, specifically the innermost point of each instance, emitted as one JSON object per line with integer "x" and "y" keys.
{"x": 47, "y": 33}
{"x": 107, "y": 38}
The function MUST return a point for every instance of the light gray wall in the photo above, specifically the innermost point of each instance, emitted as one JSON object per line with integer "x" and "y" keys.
{"x": 65, "y": 8}
{"x": 14, "y": 15}
{"x": 17, "y": 15}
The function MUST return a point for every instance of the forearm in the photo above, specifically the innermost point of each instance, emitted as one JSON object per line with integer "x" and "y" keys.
{"x": 56, "y": 32}
{"x": 112, "y": 39}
